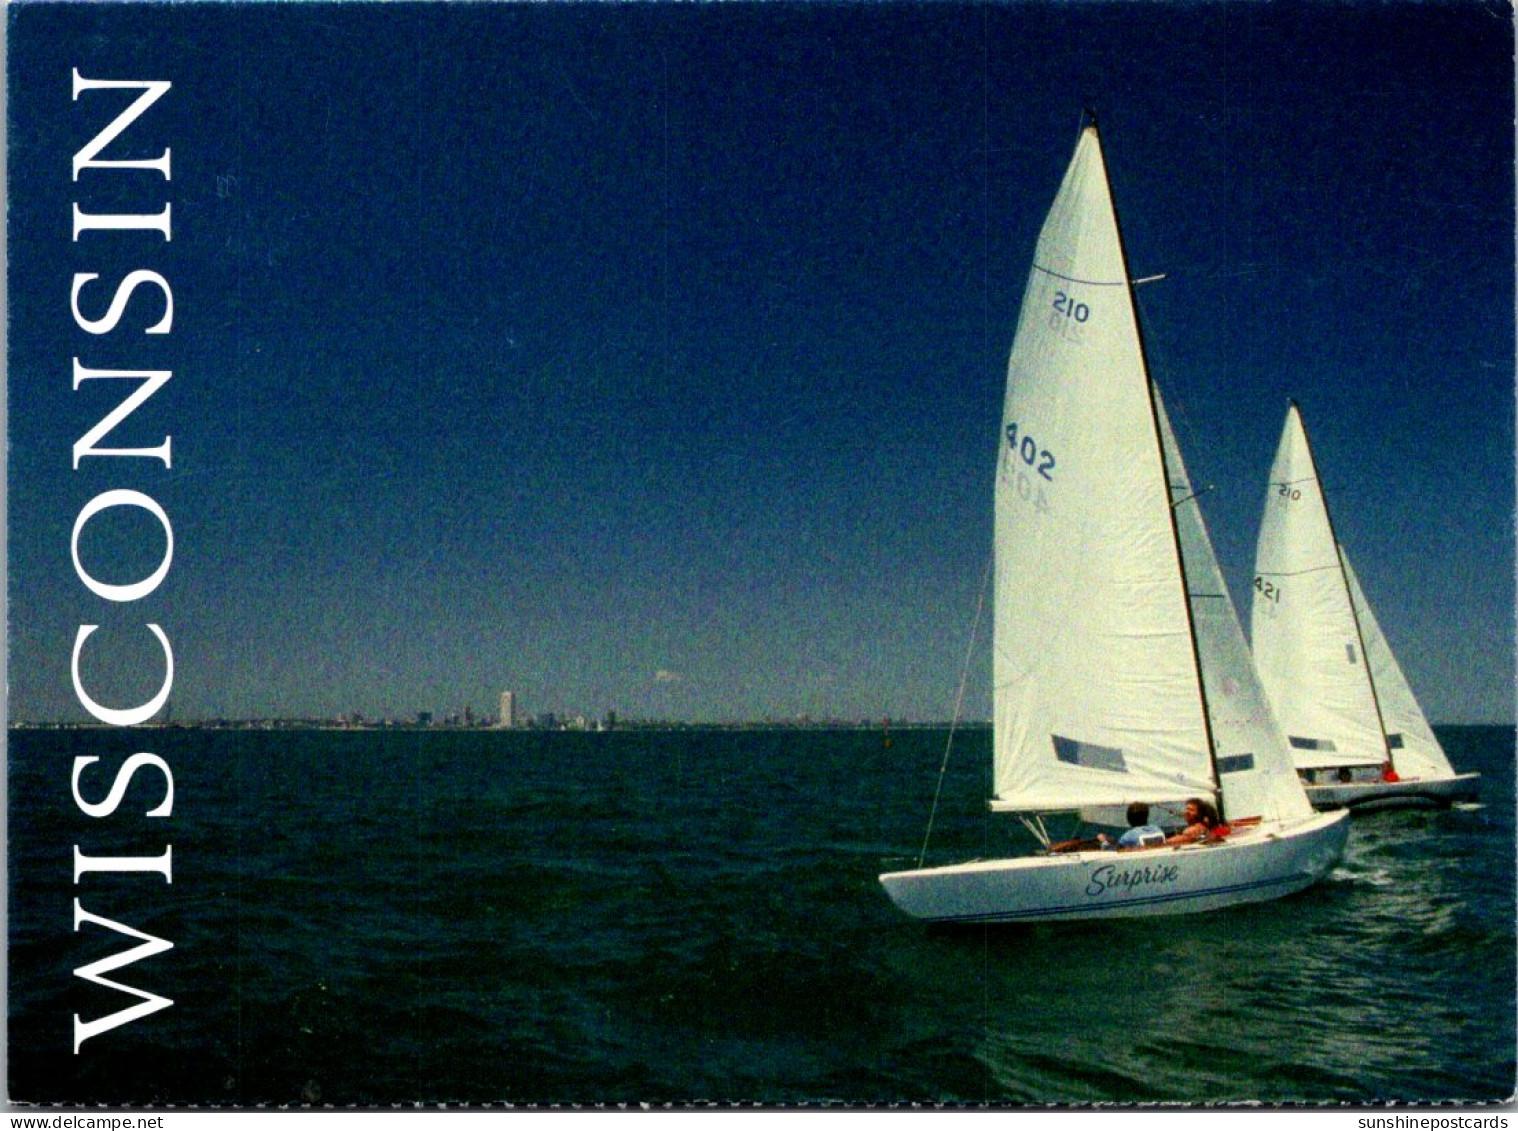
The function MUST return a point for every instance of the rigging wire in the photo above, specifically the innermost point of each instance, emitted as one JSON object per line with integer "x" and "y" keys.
{"x": 959, "y": 699}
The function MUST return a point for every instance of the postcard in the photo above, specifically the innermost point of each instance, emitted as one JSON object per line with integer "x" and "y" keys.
{"x": 603, "y": 554}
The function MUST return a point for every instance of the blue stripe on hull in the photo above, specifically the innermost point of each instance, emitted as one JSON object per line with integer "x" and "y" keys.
{"x": 1123, "y": 905}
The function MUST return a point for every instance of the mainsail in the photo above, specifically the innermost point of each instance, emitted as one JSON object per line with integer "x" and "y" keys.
{"x": 1097, "y": 693}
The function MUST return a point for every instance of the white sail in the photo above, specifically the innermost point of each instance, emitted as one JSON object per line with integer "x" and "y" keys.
{"x": 1253, "y": 763}
{"x": 1098, "y": 660}
{"x": 1307, "y": 643}
{"x": 1415, "y": 752}
{"x": 1097, "y": 696}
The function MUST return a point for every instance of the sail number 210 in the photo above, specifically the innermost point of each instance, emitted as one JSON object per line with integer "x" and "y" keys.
{"x": 1026, "y": 449}
{"x": 1070, "y": 308}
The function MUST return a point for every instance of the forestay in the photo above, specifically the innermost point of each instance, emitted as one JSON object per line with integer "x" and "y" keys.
{"x": 1307, "y": 644}
{"x": 1097, "y": 696}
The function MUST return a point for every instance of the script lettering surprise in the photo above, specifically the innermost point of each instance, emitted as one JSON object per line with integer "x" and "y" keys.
{"x": 1110, "y": 877}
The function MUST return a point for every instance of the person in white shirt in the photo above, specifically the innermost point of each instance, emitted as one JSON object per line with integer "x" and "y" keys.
{"x": 1140, "y": 834}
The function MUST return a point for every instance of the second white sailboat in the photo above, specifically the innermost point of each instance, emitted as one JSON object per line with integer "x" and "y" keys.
{"x": 1358, "y": 736}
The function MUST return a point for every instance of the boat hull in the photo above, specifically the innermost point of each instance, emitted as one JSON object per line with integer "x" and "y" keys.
{"x": 1419, "y": 793}
{"x": 1260, "y": 863}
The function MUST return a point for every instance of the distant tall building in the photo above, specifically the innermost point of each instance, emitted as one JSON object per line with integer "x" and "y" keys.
{"x": 508, "y": 709}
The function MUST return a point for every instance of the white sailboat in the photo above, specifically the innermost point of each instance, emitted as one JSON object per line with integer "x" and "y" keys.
{"x": 1121, "y": 673}
{"x": 1357, "y": 734}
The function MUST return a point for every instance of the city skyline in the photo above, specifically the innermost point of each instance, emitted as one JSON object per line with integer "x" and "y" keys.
{"x": 649, "y": 358}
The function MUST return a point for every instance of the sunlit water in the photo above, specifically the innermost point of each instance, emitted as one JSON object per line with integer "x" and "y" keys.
{"x": 368, "y": 918}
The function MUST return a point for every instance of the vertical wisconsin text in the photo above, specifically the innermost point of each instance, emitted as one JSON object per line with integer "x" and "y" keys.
{"x": 115, "y": 312}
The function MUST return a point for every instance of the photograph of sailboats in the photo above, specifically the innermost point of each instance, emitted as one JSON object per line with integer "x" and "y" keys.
{"x": 712, "y": 553}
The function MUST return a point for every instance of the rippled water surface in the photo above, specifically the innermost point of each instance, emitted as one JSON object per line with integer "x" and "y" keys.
{"x": 377, "y": 917}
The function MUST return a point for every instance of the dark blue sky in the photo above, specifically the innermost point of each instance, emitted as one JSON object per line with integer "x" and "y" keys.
{"x": 650, "y": 358}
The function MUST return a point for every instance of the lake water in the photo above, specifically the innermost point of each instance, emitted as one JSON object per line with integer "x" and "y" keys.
{"x": 672, "y": 916}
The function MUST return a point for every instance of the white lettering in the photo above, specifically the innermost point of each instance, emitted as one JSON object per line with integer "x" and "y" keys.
{"x": 152, "y": 381}
{"x": 118, "y": 304}
{"x": 162, "y": 863}
{"x": 89, "y": 156}
{"x": 130, "y": 716}
{"x": 119, "y": 786}
{"x": 104, "y": 318}
{"x": 121, "y": 497}
{"x": 130, "y": 221}
{"x": 150, "y": 1003}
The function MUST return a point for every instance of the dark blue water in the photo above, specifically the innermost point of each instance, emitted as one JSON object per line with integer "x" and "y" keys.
{"x": 367, "y": 918}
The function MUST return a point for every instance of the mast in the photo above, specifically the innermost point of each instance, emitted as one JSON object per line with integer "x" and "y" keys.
{"x": 1354, "y": 613}
{"x": 1175, "y": 534}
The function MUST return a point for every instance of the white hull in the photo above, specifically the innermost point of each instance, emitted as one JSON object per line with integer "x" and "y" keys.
{"x": 1363, "y": 795}
{"x": 1256, "y": 863}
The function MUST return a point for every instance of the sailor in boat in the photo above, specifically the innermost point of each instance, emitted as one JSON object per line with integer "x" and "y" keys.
{"x": 1201, "y": 822}
{"x": 1140, "y": 834}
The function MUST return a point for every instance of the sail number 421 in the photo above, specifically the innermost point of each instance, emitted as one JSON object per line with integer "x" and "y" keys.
{"x": 1027, "y": 450}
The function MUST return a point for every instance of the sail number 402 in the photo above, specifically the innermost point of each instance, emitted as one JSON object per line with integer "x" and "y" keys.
{"x": 1026, "y": 449}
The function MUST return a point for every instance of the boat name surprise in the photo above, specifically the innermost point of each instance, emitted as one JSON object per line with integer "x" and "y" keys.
{"x": 111, "y": 179}
{"x": 1109, "y": 877}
